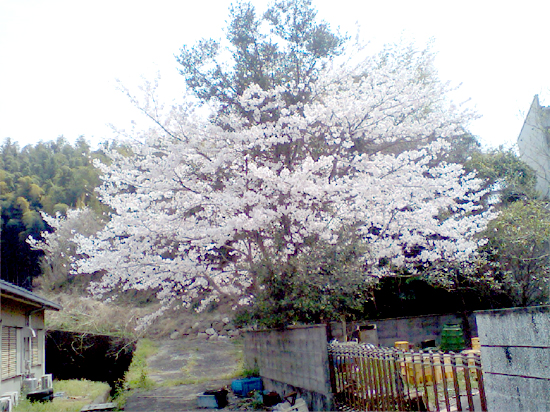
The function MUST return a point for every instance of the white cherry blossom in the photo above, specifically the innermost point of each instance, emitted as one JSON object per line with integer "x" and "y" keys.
{"x": 197, "y": 205}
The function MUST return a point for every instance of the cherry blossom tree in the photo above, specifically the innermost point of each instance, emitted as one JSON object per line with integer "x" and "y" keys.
{"x": 59, "y": 246}
{"x": 353, "y": 178}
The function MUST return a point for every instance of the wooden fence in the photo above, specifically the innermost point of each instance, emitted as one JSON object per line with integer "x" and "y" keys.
{"x": 368, "y": 378}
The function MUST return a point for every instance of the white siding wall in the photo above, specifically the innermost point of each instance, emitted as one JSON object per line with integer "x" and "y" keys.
{"x": 13, "y": 316}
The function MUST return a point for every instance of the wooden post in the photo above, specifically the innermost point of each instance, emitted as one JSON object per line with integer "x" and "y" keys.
{"x": 344, "y": 327}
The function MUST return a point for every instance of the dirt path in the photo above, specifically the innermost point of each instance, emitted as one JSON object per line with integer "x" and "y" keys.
{"x": 183, "y": 369}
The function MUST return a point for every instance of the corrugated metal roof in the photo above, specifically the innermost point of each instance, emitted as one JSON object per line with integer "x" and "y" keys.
{"x": 10, "y": 290}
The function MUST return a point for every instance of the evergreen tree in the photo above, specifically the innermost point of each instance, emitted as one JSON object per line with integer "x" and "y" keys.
{"x": 285, "y": 45}
{"x": 48, "y": 177}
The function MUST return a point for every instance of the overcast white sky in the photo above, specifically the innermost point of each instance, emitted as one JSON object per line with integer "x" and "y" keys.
{"x": 59, "y": 58}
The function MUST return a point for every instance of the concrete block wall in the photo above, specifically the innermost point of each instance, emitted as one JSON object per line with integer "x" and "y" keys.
{"x": 533, "y": 144}
{"x": 515, "y": 356}
{"x": 412, "y": 329}
{"x": 294, "y": 359}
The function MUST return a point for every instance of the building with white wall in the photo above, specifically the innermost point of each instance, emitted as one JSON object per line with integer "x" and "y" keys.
{"x": 22, "y": 349}
{"x": 534, "y": 144}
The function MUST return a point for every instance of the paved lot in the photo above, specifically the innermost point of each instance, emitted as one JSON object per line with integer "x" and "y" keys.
{"x": 209, "y": 364}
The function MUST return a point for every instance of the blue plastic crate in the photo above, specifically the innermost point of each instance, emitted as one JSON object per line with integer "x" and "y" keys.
{"x": 213, "y": 399}
{"x": 207, "y": 401}
{"x": 241, "y": 387}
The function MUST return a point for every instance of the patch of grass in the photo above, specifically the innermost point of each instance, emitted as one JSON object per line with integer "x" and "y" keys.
{"x": 185, "y": 381}
{"x": 237, "y": 373}
{"x": 146, "y": 348}
{"x": 79, "y": 394}
{"x": 81, "y": 387}
{"x": 238, "y": 355}
{"x": 196, "y": 380}
{"x": 190, "y": 365}
{"x": 137, "y": 376}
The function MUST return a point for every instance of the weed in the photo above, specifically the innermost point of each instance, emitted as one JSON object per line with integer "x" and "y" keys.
{"x": 79, "y": 393}
{"x": 146, "y": 348}
{"x": 137, "y": 376}
{"x": 256, "y": 401}
{"x": 82, "y": 387}
{"x": 251, "y": 373}
{"x": 185, "y": 381}
{"x": 190, "y": 365}
{"x": 84, "y": 314}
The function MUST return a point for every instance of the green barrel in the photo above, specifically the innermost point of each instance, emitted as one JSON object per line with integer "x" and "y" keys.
{"x": 452, "y": 338}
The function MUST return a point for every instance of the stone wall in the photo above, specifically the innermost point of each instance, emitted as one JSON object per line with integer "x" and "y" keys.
{"x": 294, "y": 359}
{"x": 515, "y": 355}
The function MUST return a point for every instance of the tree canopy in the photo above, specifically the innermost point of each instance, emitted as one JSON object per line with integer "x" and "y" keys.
{"x": 284, "y": 45}
{"x": 518, "y": 251}
{"x": 47, "y": 177}
{"x": 297, "y": 184}
{"x": 318, "y": 175}
{"x": 317, "y": 172}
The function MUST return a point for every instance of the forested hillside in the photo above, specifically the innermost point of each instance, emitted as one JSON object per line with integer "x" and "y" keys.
{"x": 50, "y": 177}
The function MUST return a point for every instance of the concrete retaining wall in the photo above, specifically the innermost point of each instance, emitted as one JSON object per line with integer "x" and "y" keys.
{"x": 294, "y": 359}
{"x": 74, "y": 355}
{"x": 515, "y": 355}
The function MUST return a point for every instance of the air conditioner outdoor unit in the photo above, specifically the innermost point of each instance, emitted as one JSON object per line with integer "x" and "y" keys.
{"x": 29, "y": 385}
{"x": 46, "y": 381}
{"x": 14, "y": 398}
{"x": 5, "y": 404}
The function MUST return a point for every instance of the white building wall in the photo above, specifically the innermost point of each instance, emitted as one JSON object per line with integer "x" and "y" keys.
{"x": 13, "y": 315}
{"x": 534, "y": 144}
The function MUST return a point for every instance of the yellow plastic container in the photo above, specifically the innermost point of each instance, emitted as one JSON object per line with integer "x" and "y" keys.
{"x": 401, "y": 344}
{"x": 414, "y": 369}
{"x": 448, "y": 369}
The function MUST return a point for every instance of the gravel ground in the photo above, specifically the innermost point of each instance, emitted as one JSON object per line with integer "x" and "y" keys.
{"x": 185, "y": 368}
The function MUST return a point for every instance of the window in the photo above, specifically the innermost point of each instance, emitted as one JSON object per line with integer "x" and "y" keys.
{"x": 9, "y": 352}
{"x": 35, "y": 350}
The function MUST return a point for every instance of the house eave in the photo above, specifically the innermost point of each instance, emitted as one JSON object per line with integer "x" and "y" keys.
{"x": 7, "y": 290}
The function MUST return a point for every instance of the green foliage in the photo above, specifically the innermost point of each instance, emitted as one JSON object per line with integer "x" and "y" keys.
{"x": 286, "y": 44}
{"x": 517, "y": 252}
{"x": 513, "y": 267}
{"x": 504, "y": 173}
{"x": 515, "y": 260}
{"x": 256, "y": 401}
{"x": 137, "y": 376}
{"x": 252, "y": 372}
{"x": 48, "y": 177}
{"x": 50, "y": 173}
{"x": 315, "y": 288}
